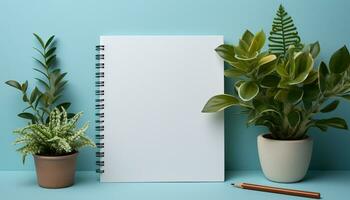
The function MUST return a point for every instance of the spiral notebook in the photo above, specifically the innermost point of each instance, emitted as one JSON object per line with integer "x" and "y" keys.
{"x": 150, "y": 93}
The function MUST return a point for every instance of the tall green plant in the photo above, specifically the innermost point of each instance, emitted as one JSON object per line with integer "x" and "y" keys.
{"x": 283, "y": 34}
{"x": 283, "y": 96}
{"x": 44, "y": 98}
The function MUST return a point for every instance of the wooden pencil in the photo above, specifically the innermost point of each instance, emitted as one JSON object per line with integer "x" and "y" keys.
{"x": 286, "y": 191}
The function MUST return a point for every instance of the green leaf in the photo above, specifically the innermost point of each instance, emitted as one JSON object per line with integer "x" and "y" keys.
{"x": 315, "y": 49}
{"x": 346, "y": 96}
{"x": 50, "y": 52}
{"x": 39, "y": 40}
{"x": 339, "y": 61}
{"x": 14, "y": 84}
{"x": 25, "y": 98}
{"x": 233, "y": 72}
{"x": 330, "y": 107}
{"x": 227, "y": 52}
{"x": 322, "y": 77}
{"x": 266, "y": 59}
{"x": 60, "y": 77}
{"x": 238, "y": 84}
{"x": 41, "y": 53}
{"x": 247, "y": 37}
{"x": 248, "y": 90}
{"x": 307, "y": 105}
{"x": 262, "y": 106}
{"x": 243, "y": 45}
{"x": 65, "y": 105}
{"x": 50, "y": 60}
{"x": 48, "y": 42}
{"x": 321, "y": 127}
{"x": 41, "y": 63}
{"x": 62, "y": 84}
{"x": 38, "y": 100}
{"x": 43, "y": 83}
{"x": 220, "y": 102}
{"x": 70, "y": 115}
{"x": 303, "y": 65}
{"x": 270, "y": 81}
{"x": 24, "y": 86}
{"x": 266, "y": 65}
{"x": 34, "y": 95}
{"x": 295, "y": 95}
{"x": 56, "y": 71}
{"x": 313, "y": 75}
{"x": 334, "y": 80}
{"x": 334, "y": 122}
{"x": 311, "y": 92}
{"x": 281, "y": 70}
{"x": 26, "y": 115}
{"x": 56, "y": 98}
{"x": 41, "y": 72}
{"x": 258, "y": 42}
{"x": 281, "y": 95}
{"x": 293, "y": 118}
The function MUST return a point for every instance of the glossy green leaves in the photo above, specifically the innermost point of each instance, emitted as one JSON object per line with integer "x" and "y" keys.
{"x": 296, "y": 70}
{"x": 313, "y": 48}
{"x": 246, "y": 57}
{"x": 226, "y": 52}
{"x": 220, "y": 102}
{"x": 14, "y": 84}
{"x": 257, "y": 42}
{"x": 331, "y": 78}
{"x": 282, "y": 89}
{"x": 334, "y": 122}
{"x": 266, "y": 65}
{"x": 339, "y": 61}
{"x": 330, "y": 107}
{"x": 248, "y": 90}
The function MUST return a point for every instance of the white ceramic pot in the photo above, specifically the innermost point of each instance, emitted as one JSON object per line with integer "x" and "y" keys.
{"x": 284, "y": 160}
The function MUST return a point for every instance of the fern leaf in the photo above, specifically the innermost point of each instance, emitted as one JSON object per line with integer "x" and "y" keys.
{"x": 283, "y": 34}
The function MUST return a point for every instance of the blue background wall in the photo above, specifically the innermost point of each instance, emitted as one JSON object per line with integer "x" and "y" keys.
{"x": 78, "y": 24}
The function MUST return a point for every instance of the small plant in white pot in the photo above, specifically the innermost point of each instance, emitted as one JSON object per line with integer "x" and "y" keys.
{"x": 282, "y": 90}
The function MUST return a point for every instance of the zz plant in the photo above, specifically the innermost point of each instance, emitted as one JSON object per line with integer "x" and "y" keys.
{"x": 284, "y": 92}
{"x": 43, "y": 98}
{"x": 59, "y": 136}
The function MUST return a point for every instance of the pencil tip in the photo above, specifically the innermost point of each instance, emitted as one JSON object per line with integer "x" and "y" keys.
{"x": 238, "y": 185}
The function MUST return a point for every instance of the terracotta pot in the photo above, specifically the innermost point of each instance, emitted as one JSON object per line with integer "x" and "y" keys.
{"x": 284, "y": 160}
{"x": 55, "y": 171}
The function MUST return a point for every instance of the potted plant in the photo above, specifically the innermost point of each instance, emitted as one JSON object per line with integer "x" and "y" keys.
{"x": 54, "y": 146}
{"x": 282, "y": 90}
{"x": 51, "y": 135}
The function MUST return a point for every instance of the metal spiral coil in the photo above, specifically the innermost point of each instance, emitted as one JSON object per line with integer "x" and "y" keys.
{"x": 99, "y": 106}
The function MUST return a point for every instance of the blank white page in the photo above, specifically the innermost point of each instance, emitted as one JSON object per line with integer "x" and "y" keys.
{"x": 155, "y": 89}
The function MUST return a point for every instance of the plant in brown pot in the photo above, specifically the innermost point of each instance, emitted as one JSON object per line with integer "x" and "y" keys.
{"x": 55, "y": 147}
{"x": 51, "y": 136}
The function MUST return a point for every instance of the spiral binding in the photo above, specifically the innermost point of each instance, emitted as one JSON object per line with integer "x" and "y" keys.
{"x": 99, "y": 106}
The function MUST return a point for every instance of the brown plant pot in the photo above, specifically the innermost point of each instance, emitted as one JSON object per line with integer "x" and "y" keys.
{"x": 55, "y": 171}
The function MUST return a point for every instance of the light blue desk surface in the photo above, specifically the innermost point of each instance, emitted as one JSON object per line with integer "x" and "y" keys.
{"x": 22, "y": 185}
